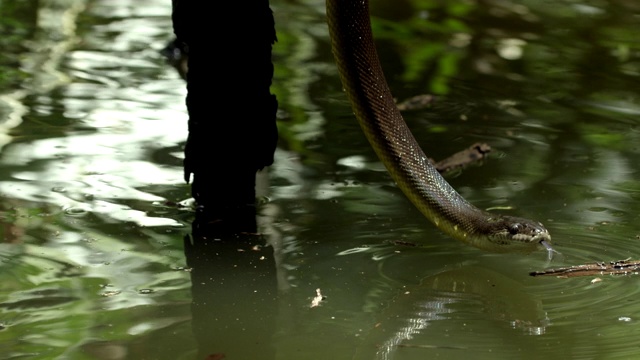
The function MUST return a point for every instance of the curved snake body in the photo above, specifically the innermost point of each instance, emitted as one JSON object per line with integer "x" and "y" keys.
{"x": 393, "y": 142}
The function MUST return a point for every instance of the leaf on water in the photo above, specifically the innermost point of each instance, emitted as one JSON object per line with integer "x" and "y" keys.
{"x": 317, "y": 299}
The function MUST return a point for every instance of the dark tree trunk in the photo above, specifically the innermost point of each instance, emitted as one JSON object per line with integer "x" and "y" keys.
{"x": 232, "y": 128}
{"x": 232, "y": 134}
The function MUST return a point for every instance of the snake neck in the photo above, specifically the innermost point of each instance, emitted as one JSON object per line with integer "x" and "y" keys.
{"x": 395, "y": 145}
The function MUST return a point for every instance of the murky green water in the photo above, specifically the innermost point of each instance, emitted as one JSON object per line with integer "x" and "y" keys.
{"x": 93, "y": 258}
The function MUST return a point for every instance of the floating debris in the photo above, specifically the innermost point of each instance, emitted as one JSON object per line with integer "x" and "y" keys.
{"x": 110, "y": 293}
{"x": 619, "y": 267}
{"x": 315, "y": 302}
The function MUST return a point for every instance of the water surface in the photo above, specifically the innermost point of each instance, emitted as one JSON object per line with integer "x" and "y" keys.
{"x": 94, "y": 259}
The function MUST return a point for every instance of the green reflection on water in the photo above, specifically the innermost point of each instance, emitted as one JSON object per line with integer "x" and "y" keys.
{"x": 93, "y": 266}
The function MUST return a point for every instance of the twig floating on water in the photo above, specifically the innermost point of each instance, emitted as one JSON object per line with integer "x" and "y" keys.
{"x": 619, "y": 267}
{"x": 474, "y": 153}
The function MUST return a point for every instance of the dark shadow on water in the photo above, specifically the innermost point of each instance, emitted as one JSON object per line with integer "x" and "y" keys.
{"x": 233, "y": 281}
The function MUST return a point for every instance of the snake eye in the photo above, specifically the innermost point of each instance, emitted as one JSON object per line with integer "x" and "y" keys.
{"x": 515, "y": 228}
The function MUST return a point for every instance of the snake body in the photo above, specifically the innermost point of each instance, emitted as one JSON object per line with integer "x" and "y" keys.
{"x": 364, "y": 83}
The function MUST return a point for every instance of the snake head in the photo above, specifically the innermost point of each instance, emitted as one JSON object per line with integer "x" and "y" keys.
{"x": 514, "y": 232}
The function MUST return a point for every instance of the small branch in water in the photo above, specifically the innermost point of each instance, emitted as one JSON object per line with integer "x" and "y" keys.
{"x": 619, "y": 267}
{"x": 474, "y": 153}
{"x": 417, "y": 102}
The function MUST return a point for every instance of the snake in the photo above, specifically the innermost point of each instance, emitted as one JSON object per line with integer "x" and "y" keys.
{"x": 374, "y": 107}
